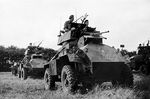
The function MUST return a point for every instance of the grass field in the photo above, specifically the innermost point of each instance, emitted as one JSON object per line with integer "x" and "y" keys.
{"x": 12, "y": 87}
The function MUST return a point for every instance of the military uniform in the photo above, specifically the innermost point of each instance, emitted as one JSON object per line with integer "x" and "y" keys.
{"x": 67, "y": 25}
{"x": 28, "y": 53}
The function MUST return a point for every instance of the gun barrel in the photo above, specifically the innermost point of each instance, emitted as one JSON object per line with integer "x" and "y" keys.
{"x": 104, "y": 32}
{"x": 40, "y": 43}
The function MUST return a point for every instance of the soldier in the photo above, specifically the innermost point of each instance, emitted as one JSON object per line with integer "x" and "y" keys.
{"x": 139, "y": 49}
{"x": 67, "y": 25}
{"x": 87, "y": 28}
{"x": 86, "y": 22}
{"x": 28, "y": 52}
{"x": 148, "y": 43}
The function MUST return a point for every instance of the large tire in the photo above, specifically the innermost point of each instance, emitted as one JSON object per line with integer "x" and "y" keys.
{"x": 68, "y": 79}
{"x": 23, "y": 73}
{"x": 49, "y": 80}
{"x": 126, "y": 78}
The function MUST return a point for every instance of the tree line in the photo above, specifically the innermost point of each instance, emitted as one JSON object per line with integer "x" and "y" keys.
{"x": 15, "y": 54}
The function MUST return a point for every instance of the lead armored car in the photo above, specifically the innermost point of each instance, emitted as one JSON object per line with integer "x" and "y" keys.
{"x": 83, "y": 60}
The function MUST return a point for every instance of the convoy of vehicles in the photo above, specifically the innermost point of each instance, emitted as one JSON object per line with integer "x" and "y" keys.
{"x": 83, "y": 60}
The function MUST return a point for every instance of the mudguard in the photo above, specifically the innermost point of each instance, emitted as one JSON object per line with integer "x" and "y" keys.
{"x": 80, "y": 57}
{"x": 52, "y": 67}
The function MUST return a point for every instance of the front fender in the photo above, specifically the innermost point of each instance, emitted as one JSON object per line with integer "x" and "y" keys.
{"x": 52, "y": 67}
{"x": 80, "y": 57}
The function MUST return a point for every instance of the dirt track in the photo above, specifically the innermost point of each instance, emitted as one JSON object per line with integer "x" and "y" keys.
{"x": 12, "y": 87}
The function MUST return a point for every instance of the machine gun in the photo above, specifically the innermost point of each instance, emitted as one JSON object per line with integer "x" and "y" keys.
{"x": 95, "y": 34}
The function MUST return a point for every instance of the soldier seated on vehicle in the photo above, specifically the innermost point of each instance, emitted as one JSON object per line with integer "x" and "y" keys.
{"x": 139, "y": 49}
{"x": 86, "y": 22}
{"x": 67, "y": 25}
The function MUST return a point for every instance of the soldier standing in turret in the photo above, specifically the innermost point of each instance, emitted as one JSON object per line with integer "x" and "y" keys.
{"x": 139, "y": 49}
{"x": 28, "y": 53}
{"x": 28, "y": 50}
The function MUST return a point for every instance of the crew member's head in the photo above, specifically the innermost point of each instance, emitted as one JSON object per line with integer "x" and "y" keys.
{"x": 86, "y": 22}
{"x": 71, "y": 18}
{"x": 30, "y": 44}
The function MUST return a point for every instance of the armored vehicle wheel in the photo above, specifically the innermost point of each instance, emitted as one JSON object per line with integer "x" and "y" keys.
{"x": 23, "y": 73}
{"x": 49, "y": 80}
{"x": 68, "y": 79}
{"x": 126, "y": 78}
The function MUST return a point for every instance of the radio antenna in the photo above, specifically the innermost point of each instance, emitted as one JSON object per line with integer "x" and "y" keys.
{"x": 76, "y": 14}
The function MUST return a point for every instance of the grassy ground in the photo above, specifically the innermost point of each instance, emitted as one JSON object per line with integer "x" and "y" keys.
{"x": 12, "y": 87}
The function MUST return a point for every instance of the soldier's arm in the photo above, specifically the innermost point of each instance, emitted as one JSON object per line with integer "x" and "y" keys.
{"x": 66, "y": 26}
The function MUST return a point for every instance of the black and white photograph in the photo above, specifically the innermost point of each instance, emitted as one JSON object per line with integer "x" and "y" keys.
{"x": 74, "y": 49}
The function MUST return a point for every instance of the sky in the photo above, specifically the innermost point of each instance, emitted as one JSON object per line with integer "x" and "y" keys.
{"x": 25, "y": 21}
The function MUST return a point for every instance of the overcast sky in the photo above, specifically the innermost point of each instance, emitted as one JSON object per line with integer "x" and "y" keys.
{"x": 25, "y": 21}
